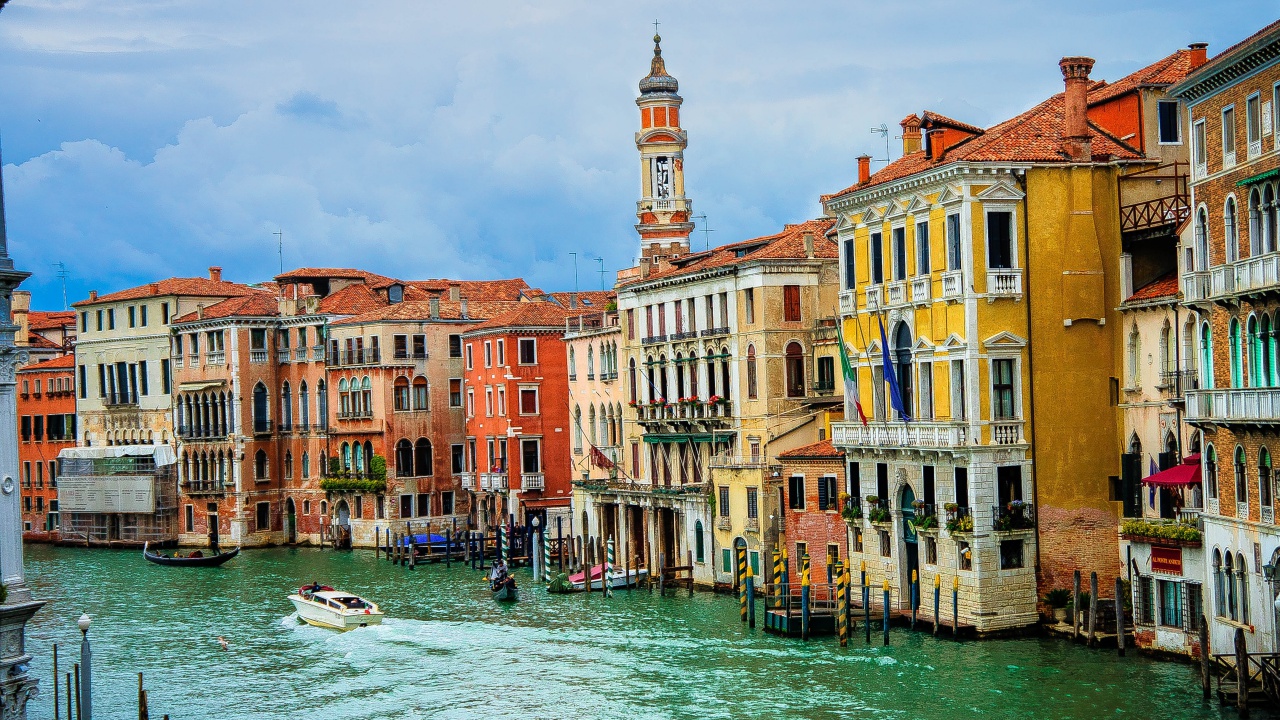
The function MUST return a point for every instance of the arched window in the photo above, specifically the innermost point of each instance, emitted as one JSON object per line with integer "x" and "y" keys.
{"x": 404, "y": 458}
{"x": 726, "y": 389}
{"x": 1256, "y": 240}
{"x": 573, "y": 364}
{"x": 422, "y": 457}
{"x": 1272, "y": 212}
{"x": 324, "y": 507}
{"x": 902, "y": 352}
{"x": 288, "y": 464}
{"x": 604, "y": 427}
{"x": 631, "y": 379}
{"x": 322, "y": 404}
{"x": 1237, "y": 371}
{"x": 698, "y": 552}
{"x": 368, "y": 457}
{"x": 1230, "y": 240}
{"x": 753, "y": 389}
{"x": 1255, "y": 378}
{"x": 304, "y": 405}
{"x": 1219, "y": 585}
{"x": 401, "y": 393}
{"x": 344, "y": 398}
{"x": 577, "y": 429}
{"x": 1267, "y": 352}
{"x": 591, "y": 425}
{"x": 662, "y": 379}
{"x": 1168, "y": 354}
{"x": 1206, "y": 357}
{"x": 346, "y": 457}
{"x": 1202, "y": 240}
{"x": 366, "y": 396}
{"x": 261, "y": 411}
{"x": 1210, "y": 472}
{"x": 1135, "y": 357}
{"x": 306, "y": 465}
{"x": 260, "y": 465}
{"x": 1242, "y": 483}
{"x": 795, "y": 369}
{"x": 1266, "y": 496}
{"x": 591, "y": 363}
{"x": 1242, "y": 579}
{"x": 693, "y": 375}
{"x": 1228, "y": 569}
{"x": 421, "y": 400}
{"x": 357, "y": 458}
{"x": 286, "y": 407}
{"x": 680, "y": 393}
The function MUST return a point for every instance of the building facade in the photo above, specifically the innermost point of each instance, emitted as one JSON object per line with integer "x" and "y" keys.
{"x": 46, "y": 425}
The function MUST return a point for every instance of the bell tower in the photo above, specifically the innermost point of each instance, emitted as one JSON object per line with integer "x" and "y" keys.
{"x": 663, "y": 210}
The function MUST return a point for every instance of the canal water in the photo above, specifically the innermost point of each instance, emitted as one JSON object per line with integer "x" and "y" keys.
{"x": 446, "y": 650}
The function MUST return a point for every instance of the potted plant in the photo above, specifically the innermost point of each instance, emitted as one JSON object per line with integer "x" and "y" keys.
{"x": 1058, "y": 599}
{"x": 876, "y": 512}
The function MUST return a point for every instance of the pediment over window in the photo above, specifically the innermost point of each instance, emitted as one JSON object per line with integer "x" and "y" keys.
{"x": 872, "y": 214}
{"x": 917, "y": 206}
{"x": 953, "y": 342}
{"x": 1004, "y": 340}
{"x": 1001, "y": 191}
{"x": 845, "y": 223}
{"x": 950, "y": 194}
{"x": 896, "y": 209}
{"x": 922, "y": 344}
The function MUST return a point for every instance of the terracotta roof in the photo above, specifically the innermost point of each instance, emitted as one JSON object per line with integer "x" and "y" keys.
{"x": 1162, "y": 73}
{"x": 1165, "y": 286}
{"x": 302, "y": 274}
{"x": 191, "y": 287}
{"x": 420, "y": 310}
{"x": 820, "y": 449}
{"x": 39, "y": 341}
{"x": 934, "y": 118}
{"x": 259, "y": 304}
{"x": 50, "y": 320}
{"x": 597, "y": 299}
{"x": 788, "y": 244}
{"x": 1225, "y": 54}
{"x": 64, "y": 362}
{"x": 351, "y": 300}
{"x": 476, "y": 289}
{"x": 529, "y": 314}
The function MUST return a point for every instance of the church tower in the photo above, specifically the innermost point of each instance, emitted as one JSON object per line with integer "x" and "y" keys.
{"x": 663, "y": 209}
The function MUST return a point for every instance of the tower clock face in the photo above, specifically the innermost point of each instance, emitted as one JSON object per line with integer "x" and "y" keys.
{"x": 662, "y": 178}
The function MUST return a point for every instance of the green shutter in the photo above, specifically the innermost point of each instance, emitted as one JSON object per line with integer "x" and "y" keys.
{"x": 727, "y": 560}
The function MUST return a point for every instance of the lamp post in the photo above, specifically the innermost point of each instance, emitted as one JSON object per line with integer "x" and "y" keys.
{"x": 86, "y": 669}
{"x": 16, "y": 604}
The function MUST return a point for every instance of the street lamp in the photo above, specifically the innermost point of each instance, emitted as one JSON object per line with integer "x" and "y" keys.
{"x": 86, "y": 669}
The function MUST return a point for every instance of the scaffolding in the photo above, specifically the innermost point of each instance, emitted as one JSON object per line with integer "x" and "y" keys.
{"x": 119, "y": 496}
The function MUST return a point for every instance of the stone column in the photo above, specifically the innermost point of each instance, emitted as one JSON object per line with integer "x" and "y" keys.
{"x": 17, "y": 606}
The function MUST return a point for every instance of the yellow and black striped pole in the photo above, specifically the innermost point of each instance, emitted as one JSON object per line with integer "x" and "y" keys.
{"x": 886, "y": 613}
{"x": 955, "y": 607}
{"x": 742, "y": 581}
{"x": 775, "y": 597}
{"x": 842, "y": 603}
{"x": 804, "y": 597}
{"x": 937, "y": 592}
{"x": 751, "y": 597}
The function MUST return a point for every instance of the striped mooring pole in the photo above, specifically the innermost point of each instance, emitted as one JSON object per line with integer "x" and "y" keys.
{"x": 937, "y": 592}
{"x": 606, "y": 577}
{"x": 886, "y": 613}
{"x": 742, "y": 582}
{"x": 915, "y": 596}
{"x": 804, "y": 597}
{"x": 502, "y": 543}
{"x": 546, "y": 557}
{"x": 751, "y": 597}
{"x": 842, "y": 603}
{"x": 776, "y": 595}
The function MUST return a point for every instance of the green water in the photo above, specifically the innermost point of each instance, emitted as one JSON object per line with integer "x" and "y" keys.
{"x": 447, "y": 650}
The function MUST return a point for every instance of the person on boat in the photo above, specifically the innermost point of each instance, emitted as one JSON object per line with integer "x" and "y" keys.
{"x": 499, "y": 570}
{"x": 311, "y": 589}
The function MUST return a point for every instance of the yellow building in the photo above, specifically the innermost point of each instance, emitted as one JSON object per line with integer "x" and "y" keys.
{"x": 986, "y": 264}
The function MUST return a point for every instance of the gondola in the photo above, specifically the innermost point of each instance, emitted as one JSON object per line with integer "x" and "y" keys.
{"x": 504, "y": 590}
{"x": 199, "y": 561}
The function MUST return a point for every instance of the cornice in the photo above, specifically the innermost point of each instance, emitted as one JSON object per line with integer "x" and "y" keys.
{"x": 1222, "y": 72}
{"x": 917, "y": 182}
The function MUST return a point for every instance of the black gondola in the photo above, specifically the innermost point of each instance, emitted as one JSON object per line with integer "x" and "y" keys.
{"x": 198, "y": 561}
{"x": 504, "y": 589}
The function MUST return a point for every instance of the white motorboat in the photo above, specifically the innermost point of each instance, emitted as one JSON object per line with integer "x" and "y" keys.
{"x": 325, "y": 607}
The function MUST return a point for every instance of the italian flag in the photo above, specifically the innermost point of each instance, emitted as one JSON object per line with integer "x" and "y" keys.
{"x": 850, "y": 379}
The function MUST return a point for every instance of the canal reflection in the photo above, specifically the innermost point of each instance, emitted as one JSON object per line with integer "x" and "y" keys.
{"x": 447, "y": 650}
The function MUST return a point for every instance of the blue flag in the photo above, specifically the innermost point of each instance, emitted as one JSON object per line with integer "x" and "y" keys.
{"x": 895, "y": 393}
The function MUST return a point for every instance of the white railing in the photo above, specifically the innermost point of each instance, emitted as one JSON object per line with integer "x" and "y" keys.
{"x": 177, "y": 361}
{"x": 1228, "y": 160}
{"x": 1211, "y": 506}
{"x": 737, "y": 461}
{"x": 257, "y": 356}
{"x": 1222, "y": 280}
{"x": 875, "y": 297}
{"x": 1195, "y": 285}
{"x": 921, "y": 289}
{"x": 1268, "y": 514}
{"x": 215, "y": 357}
{"x": 1006, "y": 433}
{"x": 1255, "y": 149}
{"x": 899, "y": 434}
{"x": 848, "y": 302}
{"x": 897, "y": 292}
{"x": 952, "y": 284}
{"x": 493, "y": 481}
{"x": 1242, "y": 510}
{"x": 468, "y": 480}
{"x": 300, "y": 354}
{"x": 1240, "y": 405}
{"x": 283, "y": 355}
{"x": 533, "y": 481}
{"x": 1258, "y": 273}
{"x": 1004, "y": 282}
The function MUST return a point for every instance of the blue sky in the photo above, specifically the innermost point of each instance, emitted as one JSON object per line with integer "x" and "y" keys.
{"x": 428, "y": 139}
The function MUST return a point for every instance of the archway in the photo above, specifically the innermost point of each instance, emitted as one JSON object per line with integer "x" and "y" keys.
{"x": 902, "y": 362}
{"x": 911, "y": 556}
{"x": 342, "y": 513}
{"x": 290, "y": 522}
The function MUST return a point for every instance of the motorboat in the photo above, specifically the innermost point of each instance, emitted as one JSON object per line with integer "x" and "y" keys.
{"x": 621, "y": 578}
{"x": 322, "y": 606}
{"x": 196, "y": 558}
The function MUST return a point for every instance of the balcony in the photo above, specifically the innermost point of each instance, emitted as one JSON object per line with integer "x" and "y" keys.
{"x": 824, "y": 387}
{"x": 899, "y": 434}
{"x": 261, "y": 427}
{"x": 283, "y": 356}
{"x": 686, "y": 335}
{"x": 355, "y": 414}
{"x": 714, "y": 332}
{"x": 1240, "y": 405}
{"x": 897, "y": 293}
{"x": 921, "y": 289}
{"x": 215, "y": 357}
{"x": 300, "y": 355}
{"x": 1195, "y": 286}
{"x": 952, "y": 285}
{"x": 738, "y": 461}
{"x": 1222, "y": 281}
{"x": 1004, "y": 282}
{"x": 362, "y": 356}
{"x": 533, "y": 481}
{"x": 1016, "y": 515}
{"x": 196, "y": 489}
{"x": 848, "y": 302}
{"x": 493, "y": 481}
{"x": 653, "y": 340}
{"x": 1169, "y": 206}
{"x": 317, "y": 353}
{"x": 874, "y": 297}
{"x": 257, "y": 356}
{"x": 1175, "y": 383}
{"x": 177, "y": 362}
{"x": 1007, "y": 433}
{"x": 119, "y": 399}
{"x": 1244, "y": 278}
{"x": 468, "y": 480}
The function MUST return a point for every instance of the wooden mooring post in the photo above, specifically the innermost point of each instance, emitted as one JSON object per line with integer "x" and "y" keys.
{"x": 144, "y": 713}
{"x": 560, "y": 541}
{"x": 955, "y": 607}
{"x": 76, "y": 667}
{"x": 1093, "y": 608}
{"x": 689, "y": 557}
{"x": 1075, "y": 607}
{"x": 937, "y": 597}
{"x": 805, "y": 596}
{"x": 1205, "y": 662}
{"x": 1119, "y": 617}
{"x": 915, "y": 596}
{"x": 751, "y": 598}
{"x": 70, "y": 693}
{"x": 1242, "y": 675}
{"x": 866, "y": 602}
{"x": 662, "y": 574}
{"x": 56, "y": 694}
{"x": 886, "y": 613}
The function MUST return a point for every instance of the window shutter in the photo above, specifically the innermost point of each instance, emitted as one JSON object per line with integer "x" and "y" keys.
{"x": 823, "y": 498}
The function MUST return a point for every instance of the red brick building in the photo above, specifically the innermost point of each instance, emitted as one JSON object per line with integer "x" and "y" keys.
{"x": 813, "y": 478}
{"x": 46, "y": 425}
{"x": 518, "y": 431}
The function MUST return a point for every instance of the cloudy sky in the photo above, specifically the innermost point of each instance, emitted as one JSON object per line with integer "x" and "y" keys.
{"x": 486, "y": 139}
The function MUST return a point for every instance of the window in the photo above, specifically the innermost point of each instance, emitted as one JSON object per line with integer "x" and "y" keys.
{"x": 189, "y": 518}
{"x": 826, "y": 373}
{"x": 471, "y": 402}
{"x": 502, "y": 401}
{"x": 424, "y": 504}
{"x": 926, "y": 391}
{"x": 1265, "y": 494}
{"x": 421, "y": 397}
{"x": 528, "y": 351}
{"x": 488, "y": 402}
{"x": 1198, "y": 146}
{"x": 260, "y": 465}
{"x": 406, "y": 506}
{"x": 1170, "y": 602}
{"x": 1242, "y": 483}
{"x": 954, "y": 255}
{"x": 876, "y": 258}
{"x": 133, "y": 316}
{"x": 1229, "y": 136}
{"x": 791, "y": 303}
{"x": 749, "y": 304}
{"x": 488, "y": 354}
{"x": 455, "y": 392}
{"x": 795, "y": 370}
{"x": 724, "y": 501}
{"x": 423, "y": 460}
{"x": 470, "y": 358}
{"x": 528, "y": 401}
{"x": 165, "y": 379}
{"x": 753, "y": 503}
{"x": 455, "y": 346}
{"x": 886, "y": 543}
{"x": 752, "y": 387}
{"x": 401, "y": 393}
{"x": 1002, "y": 389}
{"x": 827, "y": 493}
{"x": 922, "y": 248}
{"x": 631, "y": 323}
{"x": 99, "y": 317}
{"x": 930, "y": 550}
{"x": 530, "y": 456}
{"x": 457, "y": 459}
{"x": 1253, "y": 123}
{"x": 446, "y": 502}
{"x": 1230, "y": 240}
{"x": 1010, "y": 554}
{"x": 1170, "y": 127}
{"x": 263, "y": 516}
{"x": 400, "y": 347}
{"x": 850, "y": 264}
{"x": 795, "y": 492}
{"x": 999, "y": 239}
{"x": 899, "y": 253}
{"x": 164, "y": 313}
{"x": 111, "y": 319}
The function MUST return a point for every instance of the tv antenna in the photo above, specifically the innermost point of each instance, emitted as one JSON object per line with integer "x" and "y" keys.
{"x": 883, "y": 130}
{"x": 280, "y": 248}
{"x": 601, "y": 261}
{"x": 706, "y": 230}
{"x": 63, "y": 274}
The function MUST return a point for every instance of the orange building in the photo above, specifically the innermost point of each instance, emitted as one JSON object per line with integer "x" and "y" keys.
{"x": 46, "y": 425}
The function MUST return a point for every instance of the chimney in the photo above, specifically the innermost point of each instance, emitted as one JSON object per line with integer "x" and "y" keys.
{"x": 864, "y": 169}
{"x": 462, "y": 308}
{"x": 936, "y": 146}
{"x": 200, "y": 312}
{"x": 93, "y": 295}
{"x": 1199, "y": 54}
{"x": 1075, "y": 124}
{"x": 215, "y": 273}
{"x": 435, "y": 308}
{"x": 455, "y": 292}
{"x": 808, "y": 245}
{"x": 154, "y": 288}
{"x": 573, "y": 301}
{"x": 311, "y": 302}
{"x": 20, "y": 309}
{"x": 910, "y": 134}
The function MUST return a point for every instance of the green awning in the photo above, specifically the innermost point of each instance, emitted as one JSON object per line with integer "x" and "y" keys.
{"x": 677, "y": 437}
{"x": 1265, "y": 175}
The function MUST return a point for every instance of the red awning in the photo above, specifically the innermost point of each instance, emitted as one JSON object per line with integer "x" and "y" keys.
{"x": 545, "y": 503}
{"x": 1185, "y": 473}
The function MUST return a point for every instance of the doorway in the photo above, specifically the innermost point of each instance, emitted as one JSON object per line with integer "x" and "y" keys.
{"x": 667, "y": 536}
{"x": 911, "y": 554}
{"x": 290, "y": 522}
{"x": 212, "y": 511}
